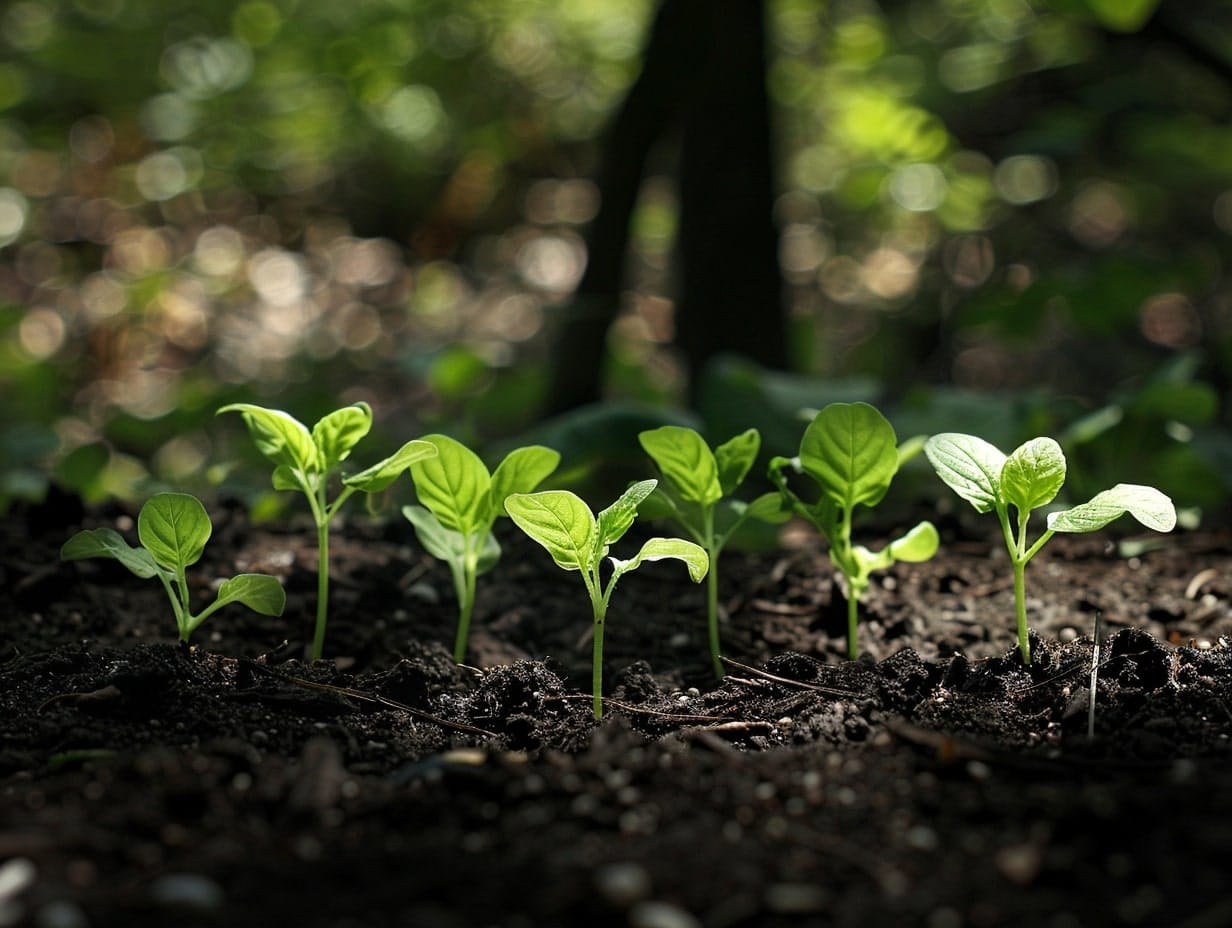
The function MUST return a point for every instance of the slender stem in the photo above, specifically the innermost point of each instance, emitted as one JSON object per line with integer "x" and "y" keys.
{"x": 466, "y": 600}
{"x": 318, "y": 636}
{"x": 1020, "y": 608}
{"x": 712, "y": 613}
{"x": 853, "y": 606}
{"x": 598, "y": 601}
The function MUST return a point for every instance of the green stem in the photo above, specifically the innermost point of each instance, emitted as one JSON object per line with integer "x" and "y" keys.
{"x": 599, "y": 603}
{"x": 853, "y": 607}
{"x": 318, "y": 637}
{"x": 1020, "y": 607}
{"x": 466, "y": 602}
{"x": 712, "y": 613}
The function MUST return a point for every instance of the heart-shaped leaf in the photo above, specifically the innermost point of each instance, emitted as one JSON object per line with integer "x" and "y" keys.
{"x": 174, "y": 528}
{"x": 454, "y": 485}
{"x": 851, "y": 451}
{"x": 969, "y": 466}
{"x": 1032, "y": 475}
{"x": 1146, "y": 504}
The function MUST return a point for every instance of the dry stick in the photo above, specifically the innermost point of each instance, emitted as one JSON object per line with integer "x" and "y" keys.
{"x": 828, "y": 690}
{"x": 1099, "y": 627}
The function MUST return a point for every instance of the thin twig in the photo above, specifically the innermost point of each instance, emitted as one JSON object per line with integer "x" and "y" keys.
{"x": 828, "y": 690}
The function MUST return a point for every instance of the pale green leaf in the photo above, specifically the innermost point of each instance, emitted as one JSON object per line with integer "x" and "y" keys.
{"x": 1146, "y": 504}
{"x": 659, "y": 549}
{"x": 769, "y": 507}
{"x": 174, "y": 528}
{"x": 919, "y": 544}
{"x": 383, "y": 473}
{"x": 338, "y": 432}
{"x": 735, "y": 458}
{"x": 106, "y": 542}
{"x": 442, "y": 543}
{"x": 522, "y": 470}
{"x": 615, "y": 520}
{"x": 558, "y": 520}
{"x": 686, "y": 462}
{"x": 969, "y": 466}
{"x": 288, "y": 478}
{"x": 279, "y": 436}
{"x": 851, "y": 451}
{"x": 1032, "y": 475}
{"x": 259, "y": 592}
{"x": 454, "y": 485}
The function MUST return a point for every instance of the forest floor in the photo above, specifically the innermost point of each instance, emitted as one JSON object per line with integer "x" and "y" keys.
{"x": 937, "y": 781}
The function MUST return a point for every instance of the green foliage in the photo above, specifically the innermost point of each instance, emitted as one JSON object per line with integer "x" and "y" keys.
{"x": 1029, "y": 478}
{"x": 461, "y": 501}
{"x": 173, "y": 529}
{"x": 578, "y": 540}
{"x": 696, "y": 491}
{"x": 851, "y": 453}
{"x": 308, "y": 460}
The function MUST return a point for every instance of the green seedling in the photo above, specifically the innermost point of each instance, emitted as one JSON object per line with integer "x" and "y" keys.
{"x": 694, "y": 492}
{"x": 578, "y": 540}
{"x": 306, "y": 461}
{"x": 173, "y": 529}
{"x": 852, "y": 453}
{"x": 461, "y": 501}
{"x": 1027, "y": 479}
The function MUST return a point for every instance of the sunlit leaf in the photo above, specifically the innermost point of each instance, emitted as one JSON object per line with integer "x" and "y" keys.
{"x": 106, "y": 542}
{"x": 1033, "y": 474}
{"x": 383, "y": 473}
{"x": 340, "y": 431}
{"x": 686, "y": 462}
{"x": 259, "y": 592}
{"x": 969, "y": 466}
{"x": 658, "y": 549}
{"x": 1146, "y": 504}
{"x": 454, "y": 485}
{"x": 560, "y": 522}
{"x": 279, "y": 436}
{"x": 851, "y": 451}
{"x": 174, "y": 528}
{"x": 615, "y": 520}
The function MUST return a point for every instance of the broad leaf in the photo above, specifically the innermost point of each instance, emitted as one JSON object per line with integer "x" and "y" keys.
{"x": 969, "y": 466}
{"x": 769, "y": 507}
{"x": 919, "y": 544}
{"x": 658, "y": 549}
{"x": 686, "y": 462}
{"x": 1146, "y": 504}
{"x": 1032, "y": 475}
{"x": 454, "y": 485}
{"x": 735, "y": 458}
{"x": 279, "y": 436}
{"x": 259, "y": 592}
{"x": 851, "y": 451}
{"x": 558, "y": 520}
{"x": 522, "y": 470}
{"x": 106, "y": 542}
{"x": 381, "y": 474}
{"x": 174, "y": 528}
{"x": 615, "y": 520}
{"x": 340, "y": 431}
{"x": 442, "y": 543}
{"x": 288, "y": 478}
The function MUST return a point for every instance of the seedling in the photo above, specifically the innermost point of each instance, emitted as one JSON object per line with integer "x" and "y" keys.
{"x": 173, "y": 529}
{"x": 578, "y": 540}
{"x": 306, "y": 461}
{"x": 461, "y": 502}
{"x": 852, "y": 453}
{"x": 1027, "y": 479}
{"x": 697, "y": 482}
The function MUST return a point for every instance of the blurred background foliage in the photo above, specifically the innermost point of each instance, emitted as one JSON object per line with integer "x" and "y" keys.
{"x": 1006, "y": 217}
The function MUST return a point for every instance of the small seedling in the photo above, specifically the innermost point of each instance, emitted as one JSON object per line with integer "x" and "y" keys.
{"x": 173, "y": 529}
{"x": 695, "y": 490}
{"x": 852, "y": 453}
{"x": 578, "y": 540}
{"x": 1027, "y": 479}
{"x": 461, "y": 502}
{"x": 306, "y": 461}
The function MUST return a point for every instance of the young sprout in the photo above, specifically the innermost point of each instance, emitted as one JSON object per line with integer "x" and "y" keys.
{"x": 578, "y": 540}
{"x": 695, "y": 492}
{"x": 173, "y": 529}
{"x": 851, "y": 452}
{"x": 1027, "y": 479}
{"x": 461, "y": 502}
{"x": 307, "y": 461}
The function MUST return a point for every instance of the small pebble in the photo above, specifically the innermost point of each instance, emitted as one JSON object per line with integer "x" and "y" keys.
{"x": 661, "y": 915}
{"x": 623, "y": 884}
{"x": 16, "y": 876}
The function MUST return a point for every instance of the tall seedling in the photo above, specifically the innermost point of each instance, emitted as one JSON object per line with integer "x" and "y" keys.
{"x": 308, "y": 460}
{"x": 461, "y": 501}
{"x": 578, "y": 540}
{"x": 695, "y": 492}
{"x": 851, "y": 453}
{"x": 1027, "y": 479}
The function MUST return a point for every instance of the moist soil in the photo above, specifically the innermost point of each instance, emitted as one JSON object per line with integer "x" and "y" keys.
{"x": 935, "y": 781}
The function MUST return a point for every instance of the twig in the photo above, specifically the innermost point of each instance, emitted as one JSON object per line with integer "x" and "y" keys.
{"x": 828, "y": 690}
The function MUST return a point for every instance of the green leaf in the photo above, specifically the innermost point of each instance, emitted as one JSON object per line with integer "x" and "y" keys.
{"x": 769, "y": 507}
{"x": 686, "y": 462}
{"x": 106, "y": 542}
{"x": 340, "y": 431}
{"x": 522, "y": 470}
{"x": 1032, "y": 475}
{"x": 454, "y": 485}
{"x": 615, "y": 520}
{"x": 969, "y": 466}
{"x": 658, "y": 549}
{"x": 174, "y": 528}
{"x": 288, "y": 478}
{"x": 279, "y": 436}
{"x": 1123, "y": 15}
{"x": 442, "y": 543}
{"x": 735, "y": 458}
{"x": 851, "y": 451}
{"x": 381, "y": 474}
{"x": 1146, "y": 504}
{"x": 919, "y": 544}
{"x": 558, "y": 520}
{"x": 259, "y": 592}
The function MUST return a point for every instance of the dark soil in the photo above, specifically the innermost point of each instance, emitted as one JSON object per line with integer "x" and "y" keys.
{"x": 937, "y": 781}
